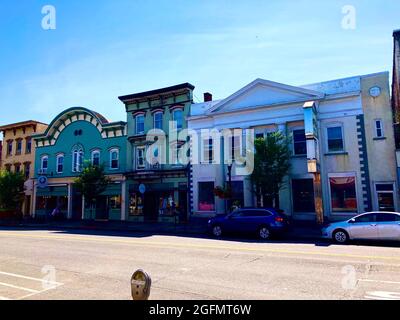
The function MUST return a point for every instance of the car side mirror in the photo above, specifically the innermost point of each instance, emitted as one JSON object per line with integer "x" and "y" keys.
{"x": 352, "y": 220}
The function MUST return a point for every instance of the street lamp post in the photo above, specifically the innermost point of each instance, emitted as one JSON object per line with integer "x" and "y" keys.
{"x": 229, "y": 204}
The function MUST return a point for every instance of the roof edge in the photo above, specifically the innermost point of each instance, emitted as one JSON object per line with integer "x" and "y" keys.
{"x": 143, "y": 94}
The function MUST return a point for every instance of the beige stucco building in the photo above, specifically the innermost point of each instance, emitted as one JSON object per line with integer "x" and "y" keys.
{"x": 18, "y": 153}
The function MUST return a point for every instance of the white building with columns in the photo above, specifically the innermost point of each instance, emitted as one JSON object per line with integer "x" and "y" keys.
{"x": 343, "y": 165}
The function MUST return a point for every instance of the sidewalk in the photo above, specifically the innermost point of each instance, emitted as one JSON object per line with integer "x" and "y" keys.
{"x": 299, "y": 231}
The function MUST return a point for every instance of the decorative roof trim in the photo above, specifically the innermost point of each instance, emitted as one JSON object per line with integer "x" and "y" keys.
{"x": 138, "y": 113}
{"x": 157, "y": 110}
{"x": 71, "y": 115}
{"x": 132, "y": 97}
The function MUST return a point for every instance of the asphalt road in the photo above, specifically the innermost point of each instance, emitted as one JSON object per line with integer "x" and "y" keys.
{"x": 41, "y": 264}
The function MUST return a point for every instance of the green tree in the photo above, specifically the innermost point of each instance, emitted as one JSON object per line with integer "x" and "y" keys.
{"x": 11, "y": 190}
{"x": 271, "y": 166}
{"x": 92, "y": 182}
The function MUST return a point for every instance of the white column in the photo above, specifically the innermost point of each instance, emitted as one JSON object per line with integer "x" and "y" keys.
{"x": 123, "y": 201}
{"x": 69, "y": 215}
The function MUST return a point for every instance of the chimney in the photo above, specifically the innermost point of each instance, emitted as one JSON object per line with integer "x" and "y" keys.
{"x": 207, "y": 97}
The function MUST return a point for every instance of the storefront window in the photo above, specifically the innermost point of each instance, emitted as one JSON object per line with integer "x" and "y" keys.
{"x": 136, "y": 202}
{"x": 114, "y": 202}
{"x": 63, "y": 203}
{"x": 237, "y": 194}
{"x": 343, "y": 194}
{"x": 385, "y": 194}
{"x": 50, "y": 203}
{"x": 206, "y": 196}
{"x": 41, "y": 203}
{"x": 303, "y": 195}
{"x": 167, "y": 204}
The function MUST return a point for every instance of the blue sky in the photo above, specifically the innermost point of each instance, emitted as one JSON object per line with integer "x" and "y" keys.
{"x": 102, "y": 49}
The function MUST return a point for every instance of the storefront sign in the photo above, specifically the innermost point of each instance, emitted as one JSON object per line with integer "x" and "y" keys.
{"x": 142, "y": 188}
{"x": 42, "y": 182}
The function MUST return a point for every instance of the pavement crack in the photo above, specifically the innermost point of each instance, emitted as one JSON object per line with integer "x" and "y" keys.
{"x": 251, "y": 261}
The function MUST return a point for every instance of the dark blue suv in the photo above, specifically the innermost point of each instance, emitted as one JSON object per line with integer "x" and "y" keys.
{"x": 263, "y": 222}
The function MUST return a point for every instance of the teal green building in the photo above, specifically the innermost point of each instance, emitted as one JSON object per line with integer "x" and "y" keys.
{"x": 157, "y": 182}
{"x": 73, "y": 137}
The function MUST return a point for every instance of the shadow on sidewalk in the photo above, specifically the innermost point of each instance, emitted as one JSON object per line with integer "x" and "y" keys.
{"x": 299, "y": 234}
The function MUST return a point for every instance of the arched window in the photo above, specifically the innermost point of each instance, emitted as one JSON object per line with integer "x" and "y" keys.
{"x": 114, "y": 159}
{"x": 60, "y": 163}
{"x": 77, "y": 159}
{"x": 140, "y": 124}
{"x": 177, "y": 116}
{"x": 96, "y": 157}
{"x": 44, "y": 164}
{"x": 158, "y": 120}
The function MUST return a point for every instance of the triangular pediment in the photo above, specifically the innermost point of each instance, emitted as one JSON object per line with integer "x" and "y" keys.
{"x": 261, "y": 93}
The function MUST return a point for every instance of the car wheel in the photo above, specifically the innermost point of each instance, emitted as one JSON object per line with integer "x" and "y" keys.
{"x": 217, "y": 231}
{"x": 340, "y": 236}
{"x": 264, "y": 233}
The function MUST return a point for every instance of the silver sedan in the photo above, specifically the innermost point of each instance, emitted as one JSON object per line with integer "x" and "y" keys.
{"x": 366, "y": 226}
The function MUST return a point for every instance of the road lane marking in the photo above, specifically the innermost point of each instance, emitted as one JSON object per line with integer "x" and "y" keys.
{"x": 18, "y": 287}
{"x": 380, "y": 281}
{"x": 29, "y": 278}
{"x": 37, "y": 293}
{"x": 382, "y": 295}
{"x": 32, "y": 292}
{"x": 195, "y": 246}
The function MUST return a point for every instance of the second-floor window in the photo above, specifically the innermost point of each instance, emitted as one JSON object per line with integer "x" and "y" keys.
{"x": 28, "y": 145}
{"x": 114, "y": 159}
{"x": 335, "y": 139}
{"x": 177, "y": 116}
{"x": 96, "y": 158}
{"x": 208, "y": 150}
{"x": 140, "y": 158}
{"x": 60, "y": 163}
{"x": 379, "y": 129}
{"x": 9, "y": 148}
{"x": 44, "y": 164}
{"x": 235, "y": 147}
{"x": 77, "y": 160}
{"x": 158, "y": 120}
{"x": 19, "y": 146}
{"x": 299, "y": 142}
{"x": 140, "y": 124}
